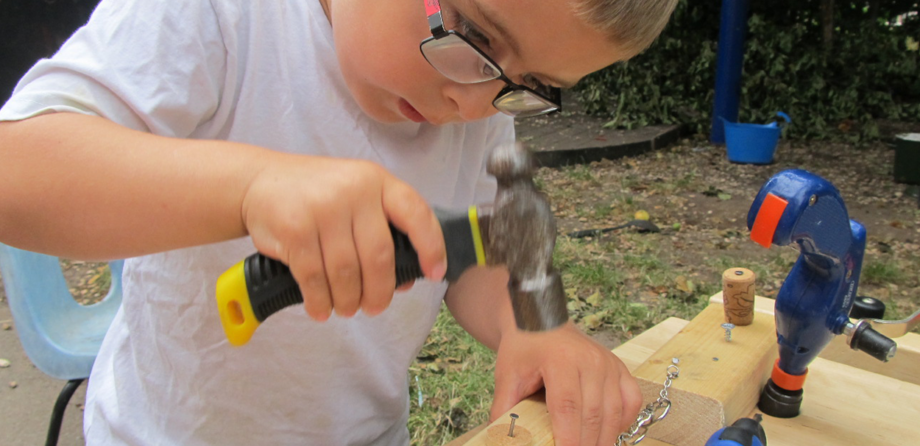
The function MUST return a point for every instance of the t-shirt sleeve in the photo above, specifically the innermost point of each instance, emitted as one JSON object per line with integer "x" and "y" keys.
{"x": 500, "y": 132}
{"x": 154, "y": 66}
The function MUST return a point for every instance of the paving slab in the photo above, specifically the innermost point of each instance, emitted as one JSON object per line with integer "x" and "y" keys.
{"x": 574, "y": 137}
{"x": 25, "y": 410}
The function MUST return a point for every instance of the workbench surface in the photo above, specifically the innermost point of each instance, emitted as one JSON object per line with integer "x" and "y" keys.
{"x": 850, "y": 398}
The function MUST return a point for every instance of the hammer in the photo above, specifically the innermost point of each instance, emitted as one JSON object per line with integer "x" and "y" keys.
{"x": 518, "y": 231}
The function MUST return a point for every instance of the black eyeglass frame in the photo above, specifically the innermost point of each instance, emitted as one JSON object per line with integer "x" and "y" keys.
{"x": 553, "y": 97}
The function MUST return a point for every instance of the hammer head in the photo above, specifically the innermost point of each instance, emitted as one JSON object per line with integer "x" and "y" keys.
{"x": 522, "y": 236}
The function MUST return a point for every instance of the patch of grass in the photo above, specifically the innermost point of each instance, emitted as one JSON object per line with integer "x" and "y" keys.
{"x": 881, "y": 272}
{"x": 603, "y": 211}
{"x": 627, "y": 203}
{"x": 539, "y": 183}
{"x": 579, "y": 172}
{"x": 593, "y": 275}
{"x": 687, "y": 180}
{"x": 629, "y": 182}
{"x": 453, "y": 376}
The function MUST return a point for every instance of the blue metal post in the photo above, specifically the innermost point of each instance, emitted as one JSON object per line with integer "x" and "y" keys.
{"x": 728, "y": 69}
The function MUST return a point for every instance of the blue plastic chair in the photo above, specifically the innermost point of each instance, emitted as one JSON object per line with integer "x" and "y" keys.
{"x": 59, "y": 335}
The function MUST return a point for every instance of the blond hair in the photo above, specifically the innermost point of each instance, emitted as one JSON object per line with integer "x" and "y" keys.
{"x": 631, "y": 24}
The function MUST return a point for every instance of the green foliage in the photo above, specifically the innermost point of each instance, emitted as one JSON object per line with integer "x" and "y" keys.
{"x": 869, "y": 72}
{"x": 882, "y": 273}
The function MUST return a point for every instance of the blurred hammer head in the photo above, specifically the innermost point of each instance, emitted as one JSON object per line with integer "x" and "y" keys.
{"x": 522, "y": 233}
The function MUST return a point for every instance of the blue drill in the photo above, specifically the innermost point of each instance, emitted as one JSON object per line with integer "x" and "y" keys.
{"x": 814, "y": 302}
{"x": 744, "y": 432}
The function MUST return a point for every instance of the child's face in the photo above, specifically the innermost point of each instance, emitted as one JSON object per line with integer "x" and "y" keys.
{"x": 377, "y": 42}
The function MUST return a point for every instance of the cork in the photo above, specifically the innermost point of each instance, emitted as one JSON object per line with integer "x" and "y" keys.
{"x": 738, "y": 295}
{"x": 498, "y": 436}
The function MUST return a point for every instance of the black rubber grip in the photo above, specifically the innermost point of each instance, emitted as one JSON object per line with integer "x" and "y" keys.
{"x": 407, "y": 267}
{"x": 877, "y": 345}
{"x": 271, "y": 286}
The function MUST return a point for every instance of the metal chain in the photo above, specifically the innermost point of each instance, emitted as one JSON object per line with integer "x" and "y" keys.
{"x": 653, "y": 412}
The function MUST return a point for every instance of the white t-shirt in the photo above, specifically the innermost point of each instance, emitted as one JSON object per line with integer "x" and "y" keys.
{"x": 265, "y": 73}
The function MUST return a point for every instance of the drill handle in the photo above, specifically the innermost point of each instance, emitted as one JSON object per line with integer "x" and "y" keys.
{"x": 861, "y": 336}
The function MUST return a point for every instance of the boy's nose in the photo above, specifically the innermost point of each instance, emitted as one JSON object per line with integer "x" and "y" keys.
{"x": 474, "y": 101}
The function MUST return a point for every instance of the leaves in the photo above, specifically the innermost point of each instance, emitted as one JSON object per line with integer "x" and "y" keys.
{"x": 871, "y": 75}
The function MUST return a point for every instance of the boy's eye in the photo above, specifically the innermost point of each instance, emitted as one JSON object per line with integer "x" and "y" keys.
{"x": 470, "y": 31}
{"x": 534, "y": 83}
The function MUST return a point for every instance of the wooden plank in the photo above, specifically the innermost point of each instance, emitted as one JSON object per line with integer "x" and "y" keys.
{"x": 719, "y": 380}
{"x": 632, "y": 353}
{"x": 534, "y": 417}
{"x": 842, "y": 406}
{"x": 845, "y": 405}
{"x": 902, "y": 367}
{"x": 638, "y": 349}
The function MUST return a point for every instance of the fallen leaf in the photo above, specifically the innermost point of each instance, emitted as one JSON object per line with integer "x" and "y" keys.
{"x": 683, "y": 284}
{"x": 594, "y": 299}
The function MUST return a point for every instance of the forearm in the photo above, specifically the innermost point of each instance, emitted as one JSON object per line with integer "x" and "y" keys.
{"x": 480, "y": 303}
{"x": 83, "y": 187}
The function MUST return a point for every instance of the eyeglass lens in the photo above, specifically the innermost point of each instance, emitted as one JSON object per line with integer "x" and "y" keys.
{"x": 458, "y": 61}
{"x": 522, "y": 103}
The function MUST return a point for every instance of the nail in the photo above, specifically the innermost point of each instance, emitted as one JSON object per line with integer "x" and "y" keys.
{"x": 728, "y": 331}
{"x": 514, "y": 417}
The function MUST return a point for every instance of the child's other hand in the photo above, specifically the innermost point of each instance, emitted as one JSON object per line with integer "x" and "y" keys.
{"x": 326, "y": 219}
{"x": 590, "y": 395}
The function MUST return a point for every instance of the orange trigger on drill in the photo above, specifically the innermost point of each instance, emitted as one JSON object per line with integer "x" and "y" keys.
{"x": 771, "y": 210}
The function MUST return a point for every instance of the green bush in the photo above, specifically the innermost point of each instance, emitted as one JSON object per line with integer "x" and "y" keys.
{"x": 870, "y": 72}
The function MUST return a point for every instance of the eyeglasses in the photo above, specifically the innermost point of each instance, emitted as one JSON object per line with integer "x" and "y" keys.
{"x": 460, "y": 60}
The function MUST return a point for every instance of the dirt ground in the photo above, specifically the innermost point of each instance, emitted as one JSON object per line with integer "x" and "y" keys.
{"x": 700, "y": 202}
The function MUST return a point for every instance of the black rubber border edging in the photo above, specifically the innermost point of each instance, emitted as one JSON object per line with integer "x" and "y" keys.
{"x": 568, "y": 157}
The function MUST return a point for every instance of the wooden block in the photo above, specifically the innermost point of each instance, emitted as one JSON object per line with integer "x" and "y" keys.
{"x": 497, "y": 435}
{"x": 639, "y": 348}
{"x": 846, "y": 406}
{"x": 533, "y": 416}
{"x": 719, "y": 381}
{"x": 903, "y": 367}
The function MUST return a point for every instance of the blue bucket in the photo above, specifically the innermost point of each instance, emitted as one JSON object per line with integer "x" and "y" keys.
{"x": 753, "y": 143}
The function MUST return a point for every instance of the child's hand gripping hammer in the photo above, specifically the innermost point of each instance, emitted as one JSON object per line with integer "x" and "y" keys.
{"x": 518, "y": 231}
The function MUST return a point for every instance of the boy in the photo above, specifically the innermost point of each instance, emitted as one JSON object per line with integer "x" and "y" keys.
{"x": 169, "y": 131}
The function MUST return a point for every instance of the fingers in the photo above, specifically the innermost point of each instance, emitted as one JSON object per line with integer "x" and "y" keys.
{"x": 343, "y": 270}
{"x": 506, "y": 395}
{"x": 328, "y": 219}
{"x": 374, "y": 245}
{"x": 564, "y": 403}
{"x": 309, "y": 271}
{"x": 409, "y": 212}
{"x": 630, "y": 397}
{"x": 594, "y": 414}
{"x": 613, "y": 412}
